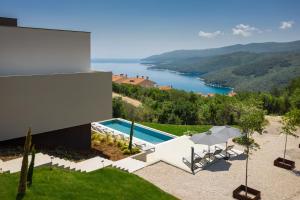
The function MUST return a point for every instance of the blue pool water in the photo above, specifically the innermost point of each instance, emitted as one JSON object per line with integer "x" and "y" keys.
{"x": 148, "y": 135}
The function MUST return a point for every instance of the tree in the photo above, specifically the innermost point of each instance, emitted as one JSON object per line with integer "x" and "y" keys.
{"x": 290, "y": 122}
{"x": 118, "y": 108}
{"x": 251, "y": 120}
{"x": 31, "y": 167}
{"x": 295, "y": 98}
{"x": 131, "y": 136}
{"x": 24, "y": 167}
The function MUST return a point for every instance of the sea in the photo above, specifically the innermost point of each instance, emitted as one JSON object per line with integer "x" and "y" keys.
{"x": 162, "y": 77}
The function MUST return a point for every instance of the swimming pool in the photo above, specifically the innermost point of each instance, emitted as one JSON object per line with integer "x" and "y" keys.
{"x": 141, "y": 132}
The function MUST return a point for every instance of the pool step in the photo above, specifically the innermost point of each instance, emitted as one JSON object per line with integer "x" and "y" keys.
{"x": 129, "y": 164}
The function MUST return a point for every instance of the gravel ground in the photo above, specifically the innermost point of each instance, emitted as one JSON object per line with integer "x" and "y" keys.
{"x": 219, "y": 180}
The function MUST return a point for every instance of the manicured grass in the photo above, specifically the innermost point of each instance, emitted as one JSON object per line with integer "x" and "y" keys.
{"x": 58, "y": 184}
{"x": 177, "y": 129}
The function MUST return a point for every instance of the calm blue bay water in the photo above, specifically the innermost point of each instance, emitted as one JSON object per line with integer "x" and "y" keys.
{"x": 161, "y": 77}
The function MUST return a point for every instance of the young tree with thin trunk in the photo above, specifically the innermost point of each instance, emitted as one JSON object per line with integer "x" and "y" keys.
{"x": 31, "y": 167}
{"x": 251, "y": 120}
{"x": 131, "y": 136}
{"x": 24, "y": 169}
{"x": 290, "y": 122}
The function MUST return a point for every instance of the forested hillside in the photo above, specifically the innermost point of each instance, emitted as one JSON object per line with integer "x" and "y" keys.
{"x": 253, "y": 67}
{"x": 261, "y": 72}
{"x": 180, "y": 107}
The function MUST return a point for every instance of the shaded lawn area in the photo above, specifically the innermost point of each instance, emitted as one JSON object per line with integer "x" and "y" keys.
{"x": 177, "y": 129}
{"x": 58, "y": 184}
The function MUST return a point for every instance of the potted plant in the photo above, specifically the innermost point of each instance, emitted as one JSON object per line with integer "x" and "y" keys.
{"x": 251, "y": 120}
{"x": 290, "y": 122}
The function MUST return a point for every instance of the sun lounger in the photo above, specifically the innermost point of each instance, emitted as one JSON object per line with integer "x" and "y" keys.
{"x": 149, "y": 149}
{"x": 123, "y": 137}
{"x": 202, "y": 162}
{"x": 188, "y": 159}
{"x": 227, "y": 150}
{"x": 218, "y": 153}
{"x": 205, "y": 159}
{"x": 139, "y": 144}
{"x": 145, "y": 147}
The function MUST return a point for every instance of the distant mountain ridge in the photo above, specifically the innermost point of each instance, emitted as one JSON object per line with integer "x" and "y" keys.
{"x": 251, "y": 47}
{"x": 255, "y": 66}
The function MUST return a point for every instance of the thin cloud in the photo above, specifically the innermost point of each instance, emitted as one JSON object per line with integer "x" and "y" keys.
{"x": 209, "y": 35}
{"x": 244, "y": 30}
{"x": 286, "y": 25}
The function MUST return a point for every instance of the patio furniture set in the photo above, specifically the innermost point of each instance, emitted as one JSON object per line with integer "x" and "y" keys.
{"x": 196, "y": 161}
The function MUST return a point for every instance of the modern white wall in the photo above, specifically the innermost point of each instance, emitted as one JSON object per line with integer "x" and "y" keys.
{"x": 26, "y": 51}
{"x": 52, "y": 102}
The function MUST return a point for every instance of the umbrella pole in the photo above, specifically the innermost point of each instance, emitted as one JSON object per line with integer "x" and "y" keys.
{"x": 192, "y": 160}
{"x": 209, "y": 153}
{"x": 226, "y": 149}
{"x": 226, "y": 154}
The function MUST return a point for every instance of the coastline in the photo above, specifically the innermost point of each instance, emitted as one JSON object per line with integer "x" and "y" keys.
{"x": 153, "y": 66}
{"x": 163, "y": 77}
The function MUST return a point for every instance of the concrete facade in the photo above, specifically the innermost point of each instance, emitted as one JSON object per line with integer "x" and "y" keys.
{"x": 51, "y": 102}
{"x": 46, "y": 83}
{"x": 28, "y": 51}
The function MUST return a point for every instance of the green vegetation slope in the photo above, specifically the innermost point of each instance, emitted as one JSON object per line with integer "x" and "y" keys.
{"x": 178, "y": 129}
{"x": 57, "y": 184}
{"x": 180, "y": 107}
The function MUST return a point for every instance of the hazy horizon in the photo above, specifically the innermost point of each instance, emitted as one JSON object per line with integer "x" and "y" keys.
{"x": 135, "y": 58}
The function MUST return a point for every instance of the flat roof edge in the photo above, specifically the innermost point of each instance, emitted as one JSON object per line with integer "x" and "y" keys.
{"x": 48, "y": 29}
{"x": 55, "y": 74}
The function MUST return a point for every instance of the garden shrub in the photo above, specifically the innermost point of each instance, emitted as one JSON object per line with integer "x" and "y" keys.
{"x": 126, "y": 151}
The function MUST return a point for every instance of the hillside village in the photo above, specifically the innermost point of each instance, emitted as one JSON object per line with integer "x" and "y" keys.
{"x": 145, "y": 82}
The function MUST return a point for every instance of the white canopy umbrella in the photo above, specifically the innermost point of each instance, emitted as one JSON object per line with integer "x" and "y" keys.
{"x": 207, "y": 138}
{"x": 225, "y": 132}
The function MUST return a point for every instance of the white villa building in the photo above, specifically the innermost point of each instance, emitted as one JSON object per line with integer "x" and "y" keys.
{"x": 46, "y": 83}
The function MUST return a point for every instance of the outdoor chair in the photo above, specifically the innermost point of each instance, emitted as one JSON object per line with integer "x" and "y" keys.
{"x": 99, "y": 129}
{"x": 148, "y": 149}
{"x": 197, "y": 158}
{"x": 139, "y": 144}
{"x": 122, "y": 137}
{"x": 205, "y": 160}
{"x": 217, "y": 154}
{"x": 226, "y": 150}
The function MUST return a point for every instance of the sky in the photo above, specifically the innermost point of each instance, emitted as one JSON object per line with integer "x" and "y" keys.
{"x": 141, "y": 28}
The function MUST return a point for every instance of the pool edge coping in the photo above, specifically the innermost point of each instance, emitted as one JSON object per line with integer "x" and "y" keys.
{"x": 142, "y": 126}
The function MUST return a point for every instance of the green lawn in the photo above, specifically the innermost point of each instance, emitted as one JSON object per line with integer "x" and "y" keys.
{"x": 58, "y": 184}
{"x": 177, "y": 129}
